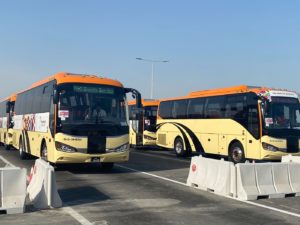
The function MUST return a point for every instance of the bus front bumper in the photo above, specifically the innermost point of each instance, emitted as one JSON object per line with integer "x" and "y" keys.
{"x": 269, "y": 155}
{"x": 63, "y": 157}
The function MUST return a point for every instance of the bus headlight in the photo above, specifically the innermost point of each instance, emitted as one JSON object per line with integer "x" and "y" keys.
{"x": 64, "y": 148}
{"x": 121, "y": 148}
{"x": 269, "y": 147}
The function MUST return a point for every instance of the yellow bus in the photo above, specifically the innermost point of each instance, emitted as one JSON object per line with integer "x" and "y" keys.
{"x": 6, "y": 114}
{"x": 240, "y": 123}
{"x": 73, "y": 118}
{"x": 143, "y": 128}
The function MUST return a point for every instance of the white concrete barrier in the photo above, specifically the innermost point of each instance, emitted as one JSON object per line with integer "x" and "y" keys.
{"x": 282, "y": 178}
{"x": 12, "y": 190}
{"x": 246, "y": 182}
{"x": 212, "y": 175}
{"x": 42, "y": 188}
{"x": 290, "y": 158}
{"x": 294, "y": 175}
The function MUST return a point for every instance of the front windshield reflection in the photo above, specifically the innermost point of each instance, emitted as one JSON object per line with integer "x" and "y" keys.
{"x": 92, "y": 104}
{"x": 282, "y": 116}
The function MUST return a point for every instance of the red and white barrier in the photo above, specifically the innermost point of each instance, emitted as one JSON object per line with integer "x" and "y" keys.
{"x": 42, "y": 189}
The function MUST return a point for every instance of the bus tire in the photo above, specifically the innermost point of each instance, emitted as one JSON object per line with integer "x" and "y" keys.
{"x": 107, "y": 166}
{"x": 7, "y": 147}
{"x": 44, "y": 151}
{"x": 179, "y": 147}
{"x": 236, "y": 153}
{"x": 22, "y": 153}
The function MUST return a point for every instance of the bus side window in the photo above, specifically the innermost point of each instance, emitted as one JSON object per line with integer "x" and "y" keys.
{"x": 165, "y": 110}
{"x": 195, "y": 108}
{"x": 214, "y": 107}
{"x": 179, "y": 109}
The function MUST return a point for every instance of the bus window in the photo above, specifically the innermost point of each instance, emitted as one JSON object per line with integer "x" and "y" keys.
{"x": 165, "y": 110}
{"x": 179, "y": 109}
{"x": 195, "y": 108}
{"x": 214, "y": 107}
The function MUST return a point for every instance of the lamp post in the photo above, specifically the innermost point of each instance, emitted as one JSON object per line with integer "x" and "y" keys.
{"x": 152, "y": 71}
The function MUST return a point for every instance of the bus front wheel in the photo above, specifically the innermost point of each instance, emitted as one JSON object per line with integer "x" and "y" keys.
{"x": 236, "y": 153}
{"x": 179, "y": 147}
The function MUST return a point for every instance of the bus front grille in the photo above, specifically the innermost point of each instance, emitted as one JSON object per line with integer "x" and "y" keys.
{"x": 96, "y": 144}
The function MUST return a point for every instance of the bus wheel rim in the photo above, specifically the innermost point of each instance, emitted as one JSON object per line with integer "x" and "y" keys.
{"x": 44, "y": 152}
{"x": 237, "y": 154}
{"x": 178, "y": 147}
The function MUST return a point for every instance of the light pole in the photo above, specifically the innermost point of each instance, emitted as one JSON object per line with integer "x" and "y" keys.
{"x": 152, "y": 71}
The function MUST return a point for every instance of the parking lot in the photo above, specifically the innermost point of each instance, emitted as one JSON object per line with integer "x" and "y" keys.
{"x": 149, "y": 189}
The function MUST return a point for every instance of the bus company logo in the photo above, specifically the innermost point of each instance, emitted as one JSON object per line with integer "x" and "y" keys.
{"x": 72, "y": 139}
{"x": 28, "y": 122}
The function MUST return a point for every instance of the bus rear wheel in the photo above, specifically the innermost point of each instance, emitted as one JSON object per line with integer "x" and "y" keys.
{"x": 179, "y": 147}
{"x": 236, "y": 153}
{"x": 22, "y": 153}
{"x": 44, "y": 152}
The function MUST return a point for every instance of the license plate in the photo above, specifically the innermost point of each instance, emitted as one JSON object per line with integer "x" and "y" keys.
{"x": 95, "y": 159}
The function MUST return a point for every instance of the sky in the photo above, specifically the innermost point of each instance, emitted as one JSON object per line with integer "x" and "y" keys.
{"x": 209, "y": 44}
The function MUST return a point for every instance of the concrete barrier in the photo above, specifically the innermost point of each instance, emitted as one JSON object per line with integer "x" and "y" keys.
{"x": 212, "y": 175}
{"x": 290, "y": 158}
{"x": 12, "y": 190}
{"x": 42, "y": 188}
{"x": 294, "y": 175}
{"x": 267, "y": 180}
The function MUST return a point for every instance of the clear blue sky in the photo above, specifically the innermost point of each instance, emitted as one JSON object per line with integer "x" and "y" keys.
{"x": 209, "y": 43}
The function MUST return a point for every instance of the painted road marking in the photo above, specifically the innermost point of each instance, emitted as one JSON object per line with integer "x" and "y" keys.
{"x": 6, "y": 161}
{"x": 184, "y": 184}
{"x": 81, "y": 219}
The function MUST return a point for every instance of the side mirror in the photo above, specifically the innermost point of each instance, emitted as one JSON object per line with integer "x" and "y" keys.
{"x": 55, "y": 96}
{"x": 7, "y": 107}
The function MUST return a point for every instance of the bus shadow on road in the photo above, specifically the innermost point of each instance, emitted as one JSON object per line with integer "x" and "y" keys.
{"x": 81, "y": 195}
{"x": 94, "y": 168}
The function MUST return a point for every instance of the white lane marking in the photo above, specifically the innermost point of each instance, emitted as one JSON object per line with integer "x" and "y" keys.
{"x": 152, "y": 175}
{"x": 184, "y": 184}
{"x": 6, "y": 161}
{"x": 82, "y": 220}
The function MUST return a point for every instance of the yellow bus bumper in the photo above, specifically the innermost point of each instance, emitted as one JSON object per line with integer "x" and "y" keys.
{"x": 269, "y": 155}
{"x": 63, "y": 157}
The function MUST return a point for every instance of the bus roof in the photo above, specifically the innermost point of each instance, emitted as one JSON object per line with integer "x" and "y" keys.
{"x": 64, "y": 77}
{"x": 228, "y": 90}
{"x": 145, "y": 102}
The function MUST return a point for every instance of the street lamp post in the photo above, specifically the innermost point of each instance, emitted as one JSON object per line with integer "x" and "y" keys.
{"x": 152, "y": 71}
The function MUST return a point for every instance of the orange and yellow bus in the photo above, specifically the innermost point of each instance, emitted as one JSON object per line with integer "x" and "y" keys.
{"x": 6, "y": 115}
{"x": 240, "y": 123}
{"x": 143, "y": 128}
{"x": 73, "y": 118}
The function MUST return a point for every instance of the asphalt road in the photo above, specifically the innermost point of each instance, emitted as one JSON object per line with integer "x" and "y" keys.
{"x": 149, "y": 189}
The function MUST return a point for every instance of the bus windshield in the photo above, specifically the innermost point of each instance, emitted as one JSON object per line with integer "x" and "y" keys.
{"x": 82, "y": 104}
{"x": 279, "y": 115}
{"x": 150, "y": 114}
